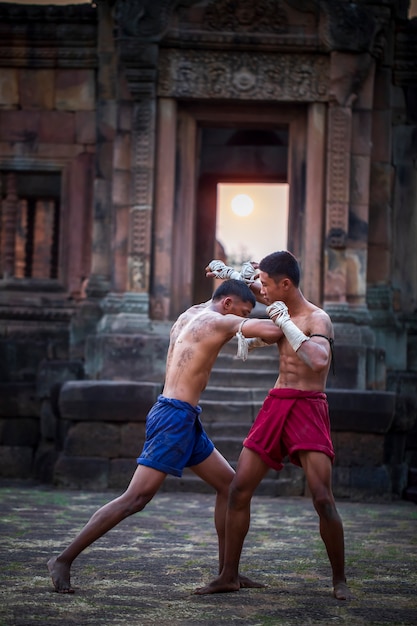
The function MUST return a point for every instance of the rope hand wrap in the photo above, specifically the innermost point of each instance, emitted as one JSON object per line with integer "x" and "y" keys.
{"x": 244, "y": 345}
{"x": 283, "y": 320}
{"x": 248, "y": 273}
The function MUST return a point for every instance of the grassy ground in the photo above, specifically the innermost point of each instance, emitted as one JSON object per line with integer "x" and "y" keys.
{"x": 145, "y": 570}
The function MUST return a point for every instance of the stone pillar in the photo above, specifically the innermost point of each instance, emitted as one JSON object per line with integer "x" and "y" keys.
{"x": 99, "y": 282}
{"x": 314, "y": 214}
{"x": 8, "y": 227}
{"x": 164, "y": 209}
{"x": 347, "y": 208}
{"x": 184, "y": 235}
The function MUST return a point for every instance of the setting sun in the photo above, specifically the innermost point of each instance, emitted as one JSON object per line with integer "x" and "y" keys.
{"x": 242, "y": 204}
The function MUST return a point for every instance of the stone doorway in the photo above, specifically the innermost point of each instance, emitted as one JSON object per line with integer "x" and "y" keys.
{"x": 223, "y": 142}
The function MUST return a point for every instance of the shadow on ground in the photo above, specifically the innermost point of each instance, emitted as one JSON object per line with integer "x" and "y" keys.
{"x": 145, "y": 570}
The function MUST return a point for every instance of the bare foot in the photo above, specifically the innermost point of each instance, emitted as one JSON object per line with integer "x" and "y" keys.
{"x": 218, "y": 586}
{"x": 60, "y": 574}
{"x": 248, "y": 583}
{"x": 341, "y": 591}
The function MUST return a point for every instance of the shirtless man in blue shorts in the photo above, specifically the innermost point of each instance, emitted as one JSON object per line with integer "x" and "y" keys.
{"x": 175, "y": 437}
{"x": 293, "y": 420}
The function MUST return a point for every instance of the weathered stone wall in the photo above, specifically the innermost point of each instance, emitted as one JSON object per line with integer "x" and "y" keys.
{"x": 114, "y": 99}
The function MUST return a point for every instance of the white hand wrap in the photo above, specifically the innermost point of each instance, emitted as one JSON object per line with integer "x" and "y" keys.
{"x": 220, "y": 270}
{"x": 294, "y": 335}
{"x": 244, "y": 345}
{"x": 248, "y": 273}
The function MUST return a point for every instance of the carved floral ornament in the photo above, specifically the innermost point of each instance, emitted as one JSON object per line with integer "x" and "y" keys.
{"x": 340, "y": 24}
{"x": 255, "y": 76}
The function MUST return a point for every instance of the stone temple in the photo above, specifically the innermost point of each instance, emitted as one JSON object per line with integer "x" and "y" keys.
{"x": 118, "y": 120}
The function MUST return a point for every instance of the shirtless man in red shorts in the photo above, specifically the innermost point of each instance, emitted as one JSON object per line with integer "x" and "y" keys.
{"x": 293, "y": 421}
{"x": 175, "y": 437}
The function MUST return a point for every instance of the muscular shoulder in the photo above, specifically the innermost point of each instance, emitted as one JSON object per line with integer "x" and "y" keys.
{"x": 320, "y": 322}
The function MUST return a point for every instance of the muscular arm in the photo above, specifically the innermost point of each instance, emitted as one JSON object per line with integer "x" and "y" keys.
{"x": 313, "y": 351}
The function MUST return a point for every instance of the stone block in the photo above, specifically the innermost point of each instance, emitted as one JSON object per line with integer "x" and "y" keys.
{"x": 20, "y": 432}
{"x": 16, "y": 461}
{"x": 361, "y": 411}
{"x": 52, "y": 373}
{"x": 126, "y": 357}
{"x": 57, "y": 127}
{"x": 132, "y": 437}
{"x": 341, "y": 482}
{"x": 122, "y": 151}
{"x": 20, "y": 126}
{"x": 371, "y": 481}
{"x": 358, "y": 449}
{"x": 48, "y": 421}
{"x": 9, "y": 88}
{"x": 362, "y": 483}
{"x": 85, "y": 127}
{"x": 18, "y": 400}
{"x": 350, "y": 366}
{"x": 107, "y": 401}
{"x": 36, "y": 88}
{"x": 121, "y": 472}
{"x": 93, "y": 439}
{"x": 75, "y": 90}
{"x": 81, "y": 473}
{"x": 46, "y": 456}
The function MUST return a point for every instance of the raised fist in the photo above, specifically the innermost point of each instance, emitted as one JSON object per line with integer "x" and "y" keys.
{"x": 249, "y": 273}
{"x": 220, "y": 270}
{"x": 278, "y": 312}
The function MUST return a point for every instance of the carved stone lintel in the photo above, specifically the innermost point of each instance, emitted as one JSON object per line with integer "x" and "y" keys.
{"x": 246, "y": 16}
{"x": 255, "y": 76}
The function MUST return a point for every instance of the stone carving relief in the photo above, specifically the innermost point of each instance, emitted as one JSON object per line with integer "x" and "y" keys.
{"x": 140, "y": 219}
{"x": 254, "y": 76}
{"x": 245, "y": 16}
{"x": 338, "y": 175}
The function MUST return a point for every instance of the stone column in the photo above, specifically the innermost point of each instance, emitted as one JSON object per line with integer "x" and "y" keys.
{"x": 314, "y": 214}
{"x": 99, "y": 282}
{"x": 8, "y": 227}
{"x": 164, "y": 209}
{"x": 347, "y": 215}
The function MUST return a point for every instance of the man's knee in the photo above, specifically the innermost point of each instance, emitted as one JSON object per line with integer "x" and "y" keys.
{"x": 133, "y": 503}
{"x": 324, "y": 503}
{"x": 239, "y": 495}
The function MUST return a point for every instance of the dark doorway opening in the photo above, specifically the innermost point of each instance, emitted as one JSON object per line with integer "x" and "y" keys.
{"x": 239, "y": 156}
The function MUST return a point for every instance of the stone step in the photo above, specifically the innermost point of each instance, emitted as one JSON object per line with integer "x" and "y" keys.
{"x": 229, "y": 446}
{"x": 264, "y": 359}
{"x": 221, "y": 411}
{"x": 243, "y": 378}
{"x": 221, "y": 393}
{"x": 226, "y": 429}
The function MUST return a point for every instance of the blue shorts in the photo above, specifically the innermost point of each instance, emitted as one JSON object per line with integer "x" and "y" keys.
{"x": 175, "y": 437}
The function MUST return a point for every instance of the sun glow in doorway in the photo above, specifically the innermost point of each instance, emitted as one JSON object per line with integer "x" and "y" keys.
{"x": 252, "y": 220}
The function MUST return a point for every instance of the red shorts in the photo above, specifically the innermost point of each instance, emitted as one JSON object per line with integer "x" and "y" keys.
{"x": 290, "y": 420}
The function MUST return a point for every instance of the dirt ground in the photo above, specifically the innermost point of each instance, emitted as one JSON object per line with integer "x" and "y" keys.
{"x": 145, "y": 571}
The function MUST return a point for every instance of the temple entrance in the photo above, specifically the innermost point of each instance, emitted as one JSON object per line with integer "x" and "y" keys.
{"x": 237, "y": 161}
{"x": 202, "y": 146}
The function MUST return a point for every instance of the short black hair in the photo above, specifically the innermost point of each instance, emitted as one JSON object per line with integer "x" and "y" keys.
{"x": 236, "y": 288}
{"x": 281, "y": 263}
